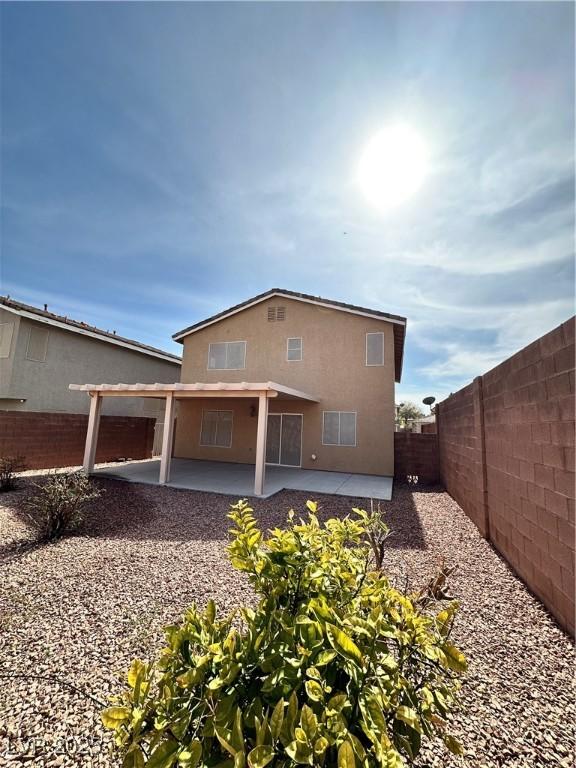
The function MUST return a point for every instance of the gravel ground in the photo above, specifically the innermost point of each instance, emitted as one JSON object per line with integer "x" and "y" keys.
{"x": 79, "y": 610}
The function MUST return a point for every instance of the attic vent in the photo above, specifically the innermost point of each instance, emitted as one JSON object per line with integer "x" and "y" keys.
{"x": 276, "y": 314}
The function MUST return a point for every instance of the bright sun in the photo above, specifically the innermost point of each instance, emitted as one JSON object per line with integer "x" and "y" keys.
{"x": 392, "y": 167}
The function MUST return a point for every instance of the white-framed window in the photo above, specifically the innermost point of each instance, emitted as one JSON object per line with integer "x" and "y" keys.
{"x": 339, "y": 428}
{"x": 375, "y": 348}
{"x": 6, "y": 332}
{"x": 294, "y": 349}
{"x": 37, "y": 345}
{"x": 216, "y": 431}
{"x": 227, "y": 355}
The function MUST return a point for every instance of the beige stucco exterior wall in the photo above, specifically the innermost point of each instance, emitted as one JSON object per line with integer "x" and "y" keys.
{"x": 73, "y": 358}
{"x": 333, "y": 369}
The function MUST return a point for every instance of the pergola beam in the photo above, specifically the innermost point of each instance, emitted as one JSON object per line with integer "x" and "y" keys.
{"x": 197, "y": 389}
{"x": 179, "y": 395}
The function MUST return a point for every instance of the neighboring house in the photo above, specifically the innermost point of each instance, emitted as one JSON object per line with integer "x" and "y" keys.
{"x": 41, "y": 353}
{"x": 346, "y": 357}
{"x": 425, "y": 425}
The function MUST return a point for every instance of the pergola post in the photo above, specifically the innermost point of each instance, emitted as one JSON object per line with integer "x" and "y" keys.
{"x": 167, "y": 437}
{"x": 260, "y": 469}
{"x": 92, "y": 434}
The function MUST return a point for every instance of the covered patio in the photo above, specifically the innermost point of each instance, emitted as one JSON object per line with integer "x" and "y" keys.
{"x": 262, "y": 391}
{"x": 238, "y": 479}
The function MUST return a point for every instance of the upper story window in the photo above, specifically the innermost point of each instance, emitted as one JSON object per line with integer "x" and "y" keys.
{"x": 6, "y": 331}
{"x": 294, "y": 349}
{"x": 339, "y": 428}
{"x": 276, "y": 314}
{"x": 37, "y": 344}
{"x": 375, "y": 348}
{"x": 227, "y": 355}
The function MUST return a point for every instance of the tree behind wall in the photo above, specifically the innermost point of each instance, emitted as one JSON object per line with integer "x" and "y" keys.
{"x": 406, "y": 412}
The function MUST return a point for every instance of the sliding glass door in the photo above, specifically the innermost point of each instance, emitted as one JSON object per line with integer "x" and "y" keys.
{"x": 284, "y": 439}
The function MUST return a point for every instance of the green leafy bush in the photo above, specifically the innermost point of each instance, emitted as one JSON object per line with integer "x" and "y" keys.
{"x": 58, "y": 504}
{"x": 334, "y": 667}
{"x": 9, "y": 466}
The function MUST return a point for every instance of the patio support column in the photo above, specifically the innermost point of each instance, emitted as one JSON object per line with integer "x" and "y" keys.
{"x": 92, "y": 434}
{"x": 167, "y": 438}
{"x": 260, "y": 469}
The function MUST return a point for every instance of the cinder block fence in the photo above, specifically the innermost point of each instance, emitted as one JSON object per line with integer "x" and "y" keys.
{"x": 48, "y": 440}
{"x": 416, "y": 454}
{"x": 506, "y": 449}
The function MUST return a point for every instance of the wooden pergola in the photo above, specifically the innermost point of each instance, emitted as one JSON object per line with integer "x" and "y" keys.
{"x": 172, "y": 392}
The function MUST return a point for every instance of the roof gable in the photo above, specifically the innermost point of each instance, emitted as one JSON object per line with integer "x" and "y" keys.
{"x": 398, "y": 322}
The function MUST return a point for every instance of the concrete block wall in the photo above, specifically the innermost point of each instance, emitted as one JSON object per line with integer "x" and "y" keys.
{"x": 507, "y": 456}
{"x": 460, "y": 452}
{"x": 47, "y": 440}
{"x": 416, "y": 454}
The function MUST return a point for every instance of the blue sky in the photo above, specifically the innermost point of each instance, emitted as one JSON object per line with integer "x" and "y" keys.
{"x": 161, "y": 162}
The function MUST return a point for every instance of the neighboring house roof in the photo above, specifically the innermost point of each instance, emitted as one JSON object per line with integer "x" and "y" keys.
{"x": 398, "y": 321}
{"x": 76, "y": 326}
{"x": 430, "y": 419}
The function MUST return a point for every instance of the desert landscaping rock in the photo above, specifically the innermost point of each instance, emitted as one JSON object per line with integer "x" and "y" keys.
{"x": 74, "y": 613}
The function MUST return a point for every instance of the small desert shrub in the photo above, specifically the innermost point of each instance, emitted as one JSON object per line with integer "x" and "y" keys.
{"x": 9, "y": 466}
{"x": 334, "y": 667}
{"x": 58, "y": 504}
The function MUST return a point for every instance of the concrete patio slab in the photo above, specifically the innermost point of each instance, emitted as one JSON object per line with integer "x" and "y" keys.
{"x": 238, "y": 479}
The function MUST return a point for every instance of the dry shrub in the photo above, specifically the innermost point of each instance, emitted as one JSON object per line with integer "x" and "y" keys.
{"x": 9, "y": 466}
{"x": 58, "y": 505}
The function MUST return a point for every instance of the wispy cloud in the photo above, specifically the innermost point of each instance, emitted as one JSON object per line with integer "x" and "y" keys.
{"x": 187, "y": 156}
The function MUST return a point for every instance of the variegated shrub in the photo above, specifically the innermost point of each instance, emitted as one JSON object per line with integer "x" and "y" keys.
{"x": 334, "y": 667}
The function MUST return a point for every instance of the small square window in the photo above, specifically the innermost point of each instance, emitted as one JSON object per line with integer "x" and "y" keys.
{"x": 294, "y": 349}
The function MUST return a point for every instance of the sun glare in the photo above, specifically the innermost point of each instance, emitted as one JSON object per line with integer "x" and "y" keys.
{"x": 392, "y": 166}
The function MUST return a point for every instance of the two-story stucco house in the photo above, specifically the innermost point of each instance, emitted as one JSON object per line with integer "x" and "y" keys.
{"x": 347, "y": 358}
{"x": 283, "y": 379}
